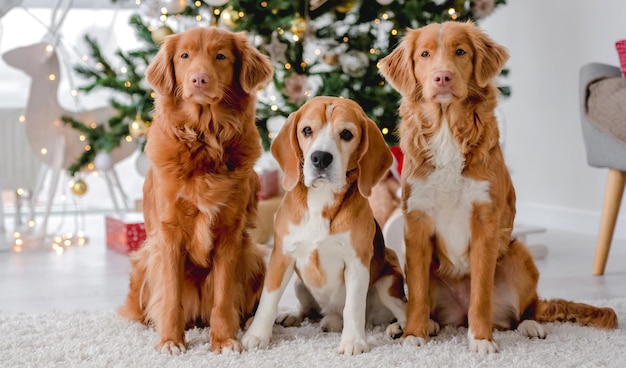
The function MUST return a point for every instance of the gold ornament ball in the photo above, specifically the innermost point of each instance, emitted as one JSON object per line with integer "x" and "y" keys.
{"x": 229, "y": 17}
{"x": 297, "y": 26}
{"x": 345, "y": 6}
{"x": 79, "y": 187}
{"x": 331, "y": 58}
{"x": 159, "y": 34}
{"x": 138, "y": 128}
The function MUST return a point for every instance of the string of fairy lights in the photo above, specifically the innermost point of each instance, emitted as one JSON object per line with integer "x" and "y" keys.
{"x": 292, "y": 85}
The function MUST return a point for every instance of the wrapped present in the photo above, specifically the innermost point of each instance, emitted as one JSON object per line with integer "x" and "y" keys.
{"x": 269, "y": 184}
{"x": 621, "y": 53}
{"x": 267, "y": 170}
{"x": 125, "y": 233}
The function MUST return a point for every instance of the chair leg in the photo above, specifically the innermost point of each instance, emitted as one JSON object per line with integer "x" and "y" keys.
{"x": 612, "y": 200}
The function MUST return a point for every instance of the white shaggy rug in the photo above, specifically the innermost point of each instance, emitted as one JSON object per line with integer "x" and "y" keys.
{"x": 102, "y": 339}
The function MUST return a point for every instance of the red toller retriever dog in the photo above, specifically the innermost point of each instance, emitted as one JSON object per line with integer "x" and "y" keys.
{"x": 199, "y": 265}
{"x": 463, "y": 267}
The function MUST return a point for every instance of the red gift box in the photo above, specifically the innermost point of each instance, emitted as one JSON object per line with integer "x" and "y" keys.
{"x": 621, "y": 53}
{"x": 125, "y": 233}
{"x": 269, "y": 184}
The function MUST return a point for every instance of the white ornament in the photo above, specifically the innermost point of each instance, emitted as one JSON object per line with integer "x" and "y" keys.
{"x": 142, "y": 164}
{"x": 216, "y": 2}
{"x": 354, "y": 63}
{"x": 103, "y": 161}
{"x": 384, "y": 2}
{"x": 173, "y": 6}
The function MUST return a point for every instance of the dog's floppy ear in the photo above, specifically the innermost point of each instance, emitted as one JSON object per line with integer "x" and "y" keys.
{"x": 398, "y": 68}
{"x": 160, "y": 73}
{"x": 256, "y": 68}
{"x": 286, "y": 150}
{"x": 375, "y": 157}
{"x": 489, "y": 57}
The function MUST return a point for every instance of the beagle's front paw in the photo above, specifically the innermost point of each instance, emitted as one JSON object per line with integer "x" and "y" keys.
{"x": 353, "y": 346}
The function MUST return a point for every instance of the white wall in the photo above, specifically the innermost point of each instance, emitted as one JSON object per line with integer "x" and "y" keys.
{"x": 549, "y": 41}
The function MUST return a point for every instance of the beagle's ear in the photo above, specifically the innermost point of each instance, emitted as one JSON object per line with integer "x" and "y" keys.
{"x": 398, "y": 67}
{"x": 489, "y": 57}
{"x": 256, "y": 68}
{"x": 286, "y": 150}
{"x": 160, "y": 73}
{"x": 375, "y": 157}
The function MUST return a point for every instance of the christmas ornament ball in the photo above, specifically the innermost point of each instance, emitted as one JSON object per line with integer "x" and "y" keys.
{"x": 216, "y": 2}
{"x": 142, "y": 164}
{"x": 173, "y": 6}
{"x": 345, "y": 6}
{"x": 354, "y": 63}
{"x": 79, "y": 187}
{"x": 297, "y": 26}
{"x": 138, "y": 128}
{"x": 229, "y": 17}
{"x": 159, "y": 34}
{"x": 331, "y": 58}
{"x": 103, "y": 161}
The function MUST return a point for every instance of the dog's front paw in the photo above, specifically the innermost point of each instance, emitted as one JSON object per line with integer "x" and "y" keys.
{"x": 412, "y": 340}
{"x": 395, "y": 330}
{"x": 433, "y": 328}
{"x": 331, "y": 323}
{"x": 353, "y": 346}
{"x": 483, "y": 346}
{"x": 226, "y": 346}
{"x": 530, "y": 328}
{"x": 171, "y": 347}
{"x": 251, "y": 341}
{"x": 290, "y": 319}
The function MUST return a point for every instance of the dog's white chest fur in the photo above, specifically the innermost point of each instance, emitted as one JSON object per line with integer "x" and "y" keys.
{"x": 320, "y": 257}
{"x": 448, "y": 197}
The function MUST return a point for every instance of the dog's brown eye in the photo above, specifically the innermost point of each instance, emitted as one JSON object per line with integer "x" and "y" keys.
{"x": 460, "y": 52}
{"x": 346, "y": 135}
{"x": 184, "y": 56}
{"x": 220, "y": 57}
{"x": 425, "y": 54}
{"x": 307, "y": 131}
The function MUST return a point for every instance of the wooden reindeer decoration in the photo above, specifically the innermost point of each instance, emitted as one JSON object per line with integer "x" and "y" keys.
{"x": 55, "y": 143}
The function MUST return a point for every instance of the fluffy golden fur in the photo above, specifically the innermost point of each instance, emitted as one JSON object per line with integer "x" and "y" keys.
{"x": 463, "y": 266}
{"x": 198, "y": 264}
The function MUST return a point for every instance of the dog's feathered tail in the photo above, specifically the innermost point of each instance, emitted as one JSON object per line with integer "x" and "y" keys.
{"x": 583, "y": 314}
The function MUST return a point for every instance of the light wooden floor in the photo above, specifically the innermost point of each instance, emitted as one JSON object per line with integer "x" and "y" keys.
{"x": 95, "y": 278}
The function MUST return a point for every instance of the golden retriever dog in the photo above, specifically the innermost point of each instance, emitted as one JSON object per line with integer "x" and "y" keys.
{"x": 463, "y": 267}
{"x": 199, "y": 265}
{"x": 331, "y": 154}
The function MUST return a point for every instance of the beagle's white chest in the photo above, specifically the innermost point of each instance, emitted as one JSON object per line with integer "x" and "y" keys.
{"x": 448, "y": 197}
{"x": 320, "y": 257}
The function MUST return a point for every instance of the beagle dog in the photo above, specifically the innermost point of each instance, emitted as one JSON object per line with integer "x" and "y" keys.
{"x": 331, "y": 154}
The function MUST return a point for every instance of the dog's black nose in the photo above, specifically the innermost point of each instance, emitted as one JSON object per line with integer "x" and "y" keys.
{"x": 321, "y": 159}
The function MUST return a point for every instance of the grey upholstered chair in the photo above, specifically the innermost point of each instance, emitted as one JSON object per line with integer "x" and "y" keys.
{"x": 603, "y": 151}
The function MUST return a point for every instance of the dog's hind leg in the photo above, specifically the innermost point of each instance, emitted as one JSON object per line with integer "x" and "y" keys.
{"x": 308, "y": 307}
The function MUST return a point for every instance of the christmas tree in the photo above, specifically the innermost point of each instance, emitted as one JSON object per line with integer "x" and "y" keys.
{"x": 318, "y": 47}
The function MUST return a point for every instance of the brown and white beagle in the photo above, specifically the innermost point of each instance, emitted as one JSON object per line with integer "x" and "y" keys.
{"x": 331, "y": 154}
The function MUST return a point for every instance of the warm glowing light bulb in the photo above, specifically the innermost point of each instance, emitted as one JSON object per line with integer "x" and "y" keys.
{"x": 44, "y": 151}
